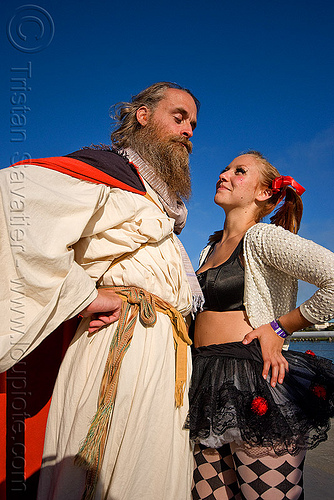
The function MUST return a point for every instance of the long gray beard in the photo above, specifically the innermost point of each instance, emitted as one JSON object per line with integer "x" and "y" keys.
{"x": 168, "y": 157}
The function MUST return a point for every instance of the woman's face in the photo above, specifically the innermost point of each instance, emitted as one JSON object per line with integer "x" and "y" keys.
{"x": 239, "y": 183}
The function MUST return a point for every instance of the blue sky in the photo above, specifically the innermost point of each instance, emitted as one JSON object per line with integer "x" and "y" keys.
{"x": 263, "y": 71}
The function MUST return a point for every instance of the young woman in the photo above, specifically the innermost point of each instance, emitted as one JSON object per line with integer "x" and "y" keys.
{"x": 255, "y": 407}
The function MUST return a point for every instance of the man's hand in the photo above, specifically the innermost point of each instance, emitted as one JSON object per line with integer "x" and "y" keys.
{"x": 271, "y": 346}
{"x": 104, "y": 310}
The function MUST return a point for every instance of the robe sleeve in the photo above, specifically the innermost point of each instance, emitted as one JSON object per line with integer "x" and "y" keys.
{"x": 42, "y": 215}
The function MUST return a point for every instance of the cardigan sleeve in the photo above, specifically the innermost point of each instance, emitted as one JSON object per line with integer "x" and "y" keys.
{"x": 299, "y": 258}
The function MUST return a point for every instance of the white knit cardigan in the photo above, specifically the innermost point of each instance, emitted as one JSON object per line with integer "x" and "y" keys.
{"x": 274, "y": 261}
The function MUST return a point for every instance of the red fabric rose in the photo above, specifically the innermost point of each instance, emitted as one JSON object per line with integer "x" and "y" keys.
{"x": 319, "y": 391}
{"x": 259, "y": 405}
{"x": 311, "y": 353}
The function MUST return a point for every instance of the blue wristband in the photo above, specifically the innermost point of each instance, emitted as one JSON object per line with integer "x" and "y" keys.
{"x": 278, "y": 329}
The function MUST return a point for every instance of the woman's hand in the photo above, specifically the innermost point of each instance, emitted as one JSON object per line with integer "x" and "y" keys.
{"x": 271, "y": 346}
{"x": 104, "y": 310}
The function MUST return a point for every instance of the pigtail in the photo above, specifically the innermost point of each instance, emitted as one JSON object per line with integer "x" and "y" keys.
{"x": 289, "y": 212}
{"x": 287, "y": 199}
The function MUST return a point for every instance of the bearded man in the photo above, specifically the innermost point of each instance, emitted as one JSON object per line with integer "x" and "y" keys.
{"x": 101, "y": 243}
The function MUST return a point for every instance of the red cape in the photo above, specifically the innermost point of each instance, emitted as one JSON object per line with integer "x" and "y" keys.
{"x": 95, "y": 165}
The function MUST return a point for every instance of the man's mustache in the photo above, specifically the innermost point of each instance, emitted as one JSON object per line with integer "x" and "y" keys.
{"x": 185, "y": 141}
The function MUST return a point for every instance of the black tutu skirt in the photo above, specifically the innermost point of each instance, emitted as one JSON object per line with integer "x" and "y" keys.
{"x": 231, "y": 401}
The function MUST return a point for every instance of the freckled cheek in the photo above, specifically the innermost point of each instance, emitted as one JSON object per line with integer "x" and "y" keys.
{"x": 239, "y": 184}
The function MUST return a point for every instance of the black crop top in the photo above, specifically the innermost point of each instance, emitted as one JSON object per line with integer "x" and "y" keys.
{"x": 223, "y": 286}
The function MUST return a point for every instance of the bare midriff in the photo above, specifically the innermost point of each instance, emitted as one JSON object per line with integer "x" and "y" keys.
{"x": 215, "y": 327}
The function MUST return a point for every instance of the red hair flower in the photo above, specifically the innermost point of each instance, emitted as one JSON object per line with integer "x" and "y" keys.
{"x": 259, "y": 405}
{"x": 311, "y": 353}
{"x": 319, "y": 391}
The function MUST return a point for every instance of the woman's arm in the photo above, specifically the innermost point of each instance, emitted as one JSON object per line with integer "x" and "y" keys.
{"x": 302, "y": 259}
{"x": 271, "y": 344}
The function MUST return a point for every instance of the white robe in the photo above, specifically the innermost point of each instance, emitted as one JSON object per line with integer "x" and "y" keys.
{"x": 70, "y": 233}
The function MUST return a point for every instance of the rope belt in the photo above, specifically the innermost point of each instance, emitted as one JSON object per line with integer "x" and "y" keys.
{"x": 136, "y": 302}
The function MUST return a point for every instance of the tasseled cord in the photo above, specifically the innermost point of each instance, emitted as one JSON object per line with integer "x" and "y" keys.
{"x": 135, "y": 300}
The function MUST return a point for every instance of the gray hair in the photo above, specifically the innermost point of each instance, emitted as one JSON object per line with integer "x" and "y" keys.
{"x": 124, "y": 113}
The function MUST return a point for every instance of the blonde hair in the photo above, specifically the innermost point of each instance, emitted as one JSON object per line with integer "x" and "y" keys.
{"x": 290, "y": 206}
{"x": 124, "y": 113}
